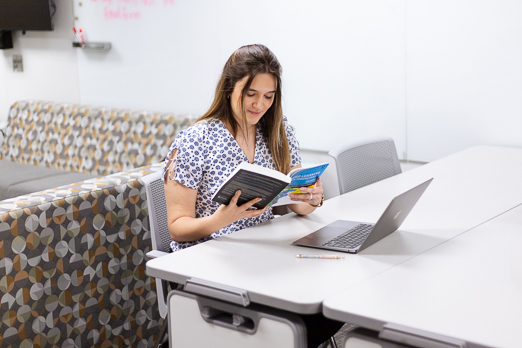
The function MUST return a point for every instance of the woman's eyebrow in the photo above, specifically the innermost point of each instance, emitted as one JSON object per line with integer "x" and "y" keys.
{"x": 255, "y": 90}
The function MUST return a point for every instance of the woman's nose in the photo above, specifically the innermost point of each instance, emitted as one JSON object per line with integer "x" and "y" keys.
{"x": 258, "y": 102}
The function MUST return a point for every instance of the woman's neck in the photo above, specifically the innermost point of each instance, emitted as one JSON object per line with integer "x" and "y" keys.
{"x": 250, "y": 131}
{"x": 240, "y": 130}
{"x": 245, "y": 140}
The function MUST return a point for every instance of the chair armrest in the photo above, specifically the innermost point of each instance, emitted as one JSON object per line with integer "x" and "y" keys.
{"x": 155, "y": 253}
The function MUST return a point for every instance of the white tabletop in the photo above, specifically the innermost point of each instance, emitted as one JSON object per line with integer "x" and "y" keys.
{"x": 468, "y": 189}
{"x": 468, "y": 288}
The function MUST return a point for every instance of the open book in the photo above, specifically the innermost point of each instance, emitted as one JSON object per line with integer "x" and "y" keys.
{"x": 270, "y": 185}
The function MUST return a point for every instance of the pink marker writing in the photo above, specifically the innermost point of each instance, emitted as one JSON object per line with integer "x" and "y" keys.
{"x": 82, "y": 39}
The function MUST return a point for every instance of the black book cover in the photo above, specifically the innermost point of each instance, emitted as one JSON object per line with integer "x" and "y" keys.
{"x": 252, "y": 185}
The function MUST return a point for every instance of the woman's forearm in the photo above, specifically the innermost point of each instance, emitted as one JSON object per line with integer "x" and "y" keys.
{"x": 301, "y": 209}
{"x": 187, "y": 228}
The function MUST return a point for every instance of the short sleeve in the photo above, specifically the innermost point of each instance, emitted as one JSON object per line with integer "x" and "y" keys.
{"x": 293, "y": 144}
{"x": 190, "y": 156}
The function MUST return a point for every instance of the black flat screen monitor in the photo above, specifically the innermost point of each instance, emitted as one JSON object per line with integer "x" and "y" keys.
{"x": 26, "y": 15}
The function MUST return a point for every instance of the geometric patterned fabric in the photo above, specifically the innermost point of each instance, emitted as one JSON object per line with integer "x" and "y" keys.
{"x": 72, "y": 258}
{"x": 72, "y": 266}
{"x": 87, "y": 139}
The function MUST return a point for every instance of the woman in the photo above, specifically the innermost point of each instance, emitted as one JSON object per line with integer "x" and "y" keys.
{"x": 244, "y": 123}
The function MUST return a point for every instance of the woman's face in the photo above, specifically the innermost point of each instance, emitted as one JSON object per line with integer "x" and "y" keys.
{"x": 258, "y": 98}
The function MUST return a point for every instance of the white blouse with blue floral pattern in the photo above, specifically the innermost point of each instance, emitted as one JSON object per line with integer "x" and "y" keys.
{"x": 207, "y": 154}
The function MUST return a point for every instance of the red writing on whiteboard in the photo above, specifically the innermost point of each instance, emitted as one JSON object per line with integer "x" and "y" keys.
{"x": 128, "y": 9}
{"x": 120, "y": 12}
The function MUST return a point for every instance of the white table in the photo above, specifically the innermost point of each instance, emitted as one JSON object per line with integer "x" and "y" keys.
{"x": 469, "y": 188}
{"x": 469, "y": 288}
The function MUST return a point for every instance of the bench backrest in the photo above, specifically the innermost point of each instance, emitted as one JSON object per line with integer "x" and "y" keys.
{"x": 88, "y": 139}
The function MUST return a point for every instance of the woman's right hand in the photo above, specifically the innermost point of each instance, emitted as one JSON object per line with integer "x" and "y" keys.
{"x": 227, "y": 214}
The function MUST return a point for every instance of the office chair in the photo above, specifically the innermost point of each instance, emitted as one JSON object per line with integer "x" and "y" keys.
{"x": 160, "y": 236}
{"x": 365, "y": 162}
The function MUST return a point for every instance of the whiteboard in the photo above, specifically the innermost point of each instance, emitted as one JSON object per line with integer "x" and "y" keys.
{"x": 464, "y": 84}
{"x": 343, "y": 61}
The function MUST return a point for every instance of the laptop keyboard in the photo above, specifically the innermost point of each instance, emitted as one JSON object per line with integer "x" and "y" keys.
{"x": 351, "y": 238}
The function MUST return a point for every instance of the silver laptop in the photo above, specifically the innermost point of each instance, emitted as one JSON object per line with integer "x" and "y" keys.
{"x": 352, "y": 236}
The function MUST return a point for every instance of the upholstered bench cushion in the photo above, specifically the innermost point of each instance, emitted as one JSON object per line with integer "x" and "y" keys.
{"x": 19, "y": 179}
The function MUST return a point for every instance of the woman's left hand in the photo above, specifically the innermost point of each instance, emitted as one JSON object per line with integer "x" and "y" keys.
{"x": 313, "y": 194}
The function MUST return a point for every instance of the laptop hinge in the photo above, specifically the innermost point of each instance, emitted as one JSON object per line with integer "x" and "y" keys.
{"x": 217, "y": 291}
{"x": 418, "y": 338}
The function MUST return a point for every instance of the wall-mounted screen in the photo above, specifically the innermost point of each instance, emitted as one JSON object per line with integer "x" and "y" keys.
{"x": 26, "y": 14}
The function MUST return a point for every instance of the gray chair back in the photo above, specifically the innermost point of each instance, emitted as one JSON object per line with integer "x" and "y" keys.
{"x": 365, "y": 162}
{"x": 157, "y": 206}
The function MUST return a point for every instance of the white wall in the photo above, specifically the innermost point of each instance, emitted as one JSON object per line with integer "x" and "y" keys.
{"x": 464, "y": 69}
{"x": 343, "y": 61}
{"x": 437, "y": 75}
{"x": 50, "y": 64}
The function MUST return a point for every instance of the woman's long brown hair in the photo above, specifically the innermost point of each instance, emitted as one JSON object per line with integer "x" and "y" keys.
{"x": 249, "y": 61}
